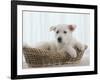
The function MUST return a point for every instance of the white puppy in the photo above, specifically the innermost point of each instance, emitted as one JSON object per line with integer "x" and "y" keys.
{"x": 64, "y": 40}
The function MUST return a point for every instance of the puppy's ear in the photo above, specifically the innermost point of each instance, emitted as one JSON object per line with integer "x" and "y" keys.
{"x": 71, "y": 27}
{"x": 52, "y": 28}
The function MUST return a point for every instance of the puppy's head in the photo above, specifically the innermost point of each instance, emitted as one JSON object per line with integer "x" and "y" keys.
{"x": 63, "y": 32}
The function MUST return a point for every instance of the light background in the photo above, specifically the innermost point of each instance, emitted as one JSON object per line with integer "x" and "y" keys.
{"x": 36, "y": 28}
{"x": 36, "y": 25}
{"x": 5, "y": 45}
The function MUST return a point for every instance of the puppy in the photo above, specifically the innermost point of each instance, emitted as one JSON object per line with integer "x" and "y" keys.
{"x": 64, "y": 40}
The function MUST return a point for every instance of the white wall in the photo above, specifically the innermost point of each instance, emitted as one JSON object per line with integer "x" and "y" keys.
{"x": 36, "y": 25}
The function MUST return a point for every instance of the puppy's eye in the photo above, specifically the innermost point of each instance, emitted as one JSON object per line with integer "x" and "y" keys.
{"x": 57, "y": 32}
{"x": 65, "y": 32}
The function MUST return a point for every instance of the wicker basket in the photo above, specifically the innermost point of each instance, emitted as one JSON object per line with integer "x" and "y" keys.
{"x": 39, "y": 58}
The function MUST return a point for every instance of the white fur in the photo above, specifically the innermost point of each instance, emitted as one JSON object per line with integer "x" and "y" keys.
{"x": 67, "y": 43}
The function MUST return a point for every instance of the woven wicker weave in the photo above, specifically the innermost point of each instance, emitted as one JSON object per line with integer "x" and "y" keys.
{"x": 39, "y": 57}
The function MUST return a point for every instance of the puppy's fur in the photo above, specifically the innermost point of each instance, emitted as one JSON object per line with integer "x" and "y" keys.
{"x": 64, "y": 40}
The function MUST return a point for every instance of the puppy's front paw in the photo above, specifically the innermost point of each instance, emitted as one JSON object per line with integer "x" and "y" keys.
{"x": 83, "y": 47}
{"x": 73, "y": 54}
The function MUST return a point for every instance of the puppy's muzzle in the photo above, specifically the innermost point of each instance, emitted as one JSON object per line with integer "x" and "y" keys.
{"x": 59, "y": 39}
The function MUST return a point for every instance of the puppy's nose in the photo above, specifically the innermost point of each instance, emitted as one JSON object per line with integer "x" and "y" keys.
{"x": 59, "y": 39}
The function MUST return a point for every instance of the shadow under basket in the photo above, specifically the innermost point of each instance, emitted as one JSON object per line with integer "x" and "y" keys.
{"x": 39, "y": 57}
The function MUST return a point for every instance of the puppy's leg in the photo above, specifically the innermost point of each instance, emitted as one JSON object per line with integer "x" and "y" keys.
{"x": 27, "y": 46}
{"x": 42, "y": 46}
{"x": 80, "y": 46}
{"x": 71, "y": 51}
